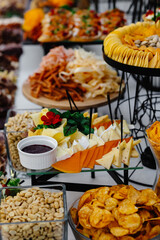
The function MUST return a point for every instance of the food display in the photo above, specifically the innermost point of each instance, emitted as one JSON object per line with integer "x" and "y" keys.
{"x": 10, "y": 8}
{"x": 137, "y": 45}
{"x": 118, "y": 212}
{"x": 153, "y": 137}
{"x": 75, "y": 144}
{"x": 50, "y": 3}
{"x": 3, "y": 155}
{"x": 82, "y": 73}
{"x": 75, "y": 25}
{"x": 10, "y": 52}
{"x": 16, "y": 129}
{"x": 41, "y": 206}
{"x": 149, "y": 16}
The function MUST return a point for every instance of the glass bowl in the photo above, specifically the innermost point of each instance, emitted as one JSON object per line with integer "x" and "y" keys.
{"x": 77, "y": 234}
{"x": 155, "y": 148}
{"x": 39, "y": 229}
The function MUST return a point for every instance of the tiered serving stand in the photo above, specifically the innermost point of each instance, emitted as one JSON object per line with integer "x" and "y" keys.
{"x": 142, "y": 108}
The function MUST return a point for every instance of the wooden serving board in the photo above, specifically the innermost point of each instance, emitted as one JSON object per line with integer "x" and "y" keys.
{"x": 64, "y": 104}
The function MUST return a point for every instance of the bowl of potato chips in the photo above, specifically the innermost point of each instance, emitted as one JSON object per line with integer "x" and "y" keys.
{"x": 118, "y": 212}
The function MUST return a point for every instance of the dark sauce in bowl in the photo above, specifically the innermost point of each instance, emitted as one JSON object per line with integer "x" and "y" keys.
{"x": 36, "y": 148}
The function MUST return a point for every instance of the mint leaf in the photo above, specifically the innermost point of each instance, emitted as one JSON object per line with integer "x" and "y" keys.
{"x": 66, "y": 114}
{"x": 71, "y": 122}
{"x": 39, "y": 126}
{"x": 55, "y": 111}
{"x": 68, "y": 130}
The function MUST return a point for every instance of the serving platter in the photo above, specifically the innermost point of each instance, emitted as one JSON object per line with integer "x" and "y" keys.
{"x": 131, "y": 69}
{"x": 64, "y": 104}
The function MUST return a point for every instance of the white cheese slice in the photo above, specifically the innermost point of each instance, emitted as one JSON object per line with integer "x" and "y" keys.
{"x": 134, "y": 153}
{"x": 100, "y": 130}
{"x": 114, "y": 135}
{"x": 63, "y": 153}
{"x": 126, "y": 153}
{"x": 107, "y": 160}
{"x": 84, "y": 142}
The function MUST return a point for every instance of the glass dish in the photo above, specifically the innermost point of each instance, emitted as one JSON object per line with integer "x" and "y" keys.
{"x": 77, "y": 234}
{"x": 46, "y": 229}
{"x": 13, "y": 137}
{"x": 155, "y": 148}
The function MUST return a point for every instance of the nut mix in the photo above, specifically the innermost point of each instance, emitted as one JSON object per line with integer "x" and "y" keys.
{"x": 17, "y": 129}
{"x": 119, "y": 212}
{"x": 152, "y": 41}
{"x": 29, "y": 205}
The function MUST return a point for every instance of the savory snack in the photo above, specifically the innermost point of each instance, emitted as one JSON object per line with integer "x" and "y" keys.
{"x": 149, "y": 16}
{"x": 86, "y": 26}
{"x": 75, "y": 144}
{"x": 137, "y": 44}
{"x": 32, "y": 23}
{"x": 32, "y": 204}
{"x": 56, "y": 25}
{"x": 154, "y": 138}
{"x": 10, "y": 8}
{"x": 82, "y": 73}
{"x": 16, "y": 129}
{"x": 70, "y": 24}
{"x": 110, "y": 20}
{"x": 118, "y": 212}
{"x": 50, "y": 3}
{"x": 7, "y": 90}
{"x": 3, "y": 154}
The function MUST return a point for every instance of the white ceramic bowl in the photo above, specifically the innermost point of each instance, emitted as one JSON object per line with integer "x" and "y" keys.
{"x": 37, "y": 161}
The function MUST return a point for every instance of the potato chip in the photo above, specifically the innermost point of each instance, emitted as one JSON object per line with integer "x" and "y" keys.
{"x": 126, "y": 238}
{"x": 84, "y": 231}
{"x": 86, "y": 198}
{"x": 133, "y": 194}
{"x": 154, "y": 231}
{"x": 74, "y": 214}
{"x": 84, "y": 215}
{"x": 144, "y": 214}
{"x": 119, "y": 231}
{"x": 122, "y": 193}
{"x": 102, "y": 194}
{"x": 110, "y": 203}
{"x": 100, "y": 218}
{"x": 95, "y": 233}
{"x": 106, "y": 236}
{"x": 127, "y": 207}
{"x": 131, "y": 222}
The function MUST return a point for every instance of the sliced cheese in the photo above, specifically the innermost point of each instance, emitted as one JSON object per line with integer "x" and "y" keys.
{"x": 36, "y": 117}
{"x": 100, "y": 130}
{"x": 63, "y": 153}
{"x": 101, "y": 119}
{"x": 76, "y": 147}
{"x": 136, "y": 142}
{"x": 75, "y": 136}
{"x": 106, "y": 136}
{"x": 134, "y": 153}
{"x": 92, "y": 143}
{"x": 84, "y": 142}
{"x": 107, "y": 160}
{"x": 117, "y": 156}
{"x": 118, "y": 153}
{"x": 99, "y": 141}
{"x": 126, "y": 153}
{"x": 114, "y": 135}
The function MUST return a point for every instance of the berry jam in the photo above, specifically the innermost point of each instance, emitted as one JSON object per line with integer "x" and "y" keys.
{"x": 36, "y": 148}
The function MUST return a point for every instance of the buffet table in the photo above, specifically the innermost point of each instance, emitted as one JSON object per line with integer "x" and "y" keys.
{"x": 28, "y": 63}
